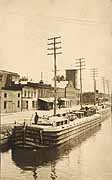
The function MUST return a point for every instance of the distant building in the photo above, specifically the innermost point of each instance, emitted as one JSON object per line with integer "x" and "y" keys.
{"x": 10, "y": 101}
{"x": 45, "y": 103}
{"x": 61, "y": 89}
{"x": 72, "y": 93}
{"x": 89, "y": 97}
{"x": 29, "y": 98}
{"x": 31, "y": 92}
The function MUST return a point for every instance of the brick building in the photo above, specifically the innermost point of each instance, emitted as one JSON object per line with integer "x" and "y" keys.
{"x": 31, "y": 92}
{"x": 10, "y": 100}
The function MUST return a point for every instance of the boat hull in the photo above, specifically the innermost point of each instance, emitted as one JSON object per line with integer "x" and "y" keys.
{"x": 105, "y": 113}
{"x": 34, "y": 136}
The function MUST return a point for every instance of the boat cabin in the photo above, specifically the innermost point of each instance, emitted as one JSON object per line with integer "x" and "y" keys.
{"x": 59, "y": 121}
{"x": 79, "y": 114}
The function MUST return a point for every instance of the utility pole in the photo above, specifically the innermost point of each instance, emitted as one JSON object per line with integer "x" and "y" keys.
{"x": 111, "y": 98}
{"x": 53, "y": 47}
{"x": 80, "y": 63}
{"x": 103, "y": 79}
{"x": 108, "y": 89}
{"x": 41, "y": 76}
{"x": 0, "y": 112}
{"x": 94, "y": 74}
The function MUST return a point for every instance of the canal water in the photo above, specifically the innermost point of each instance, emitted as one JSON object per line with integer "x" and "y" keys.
{"x": 87, "y": 158}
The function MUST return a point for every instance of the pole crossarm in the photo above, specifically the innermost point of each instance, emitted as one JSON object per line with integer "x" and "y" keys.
{"x": 53, "y": 43}
{"x": 50, "y": 54}
{"x": 56, "y": 37}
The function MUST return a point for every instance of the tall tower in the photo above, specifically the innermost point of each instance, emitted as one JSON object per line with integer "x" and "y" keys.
{"x": 72, "y": 75}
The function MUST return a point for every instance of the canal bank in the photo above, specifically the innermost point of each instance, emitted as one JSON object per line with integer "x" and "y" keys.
{"x": 88, "y": 159}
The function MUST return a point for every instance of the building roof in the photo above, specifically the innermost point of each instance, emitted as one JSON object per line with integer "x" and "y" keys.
{"x": 31, "y": 84}
{"x": 19, "y": 86}
{"x": 71, "y": 69}
{"x": 8, "y": 72}
{"x": 51, "y": 99}
{"x": 65, "y": 99}
{"x": 14, "y": 88}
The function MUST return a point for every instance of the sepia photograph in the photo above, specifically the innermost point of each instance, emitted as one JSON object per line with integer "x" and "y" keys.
{"x": 55, "y": 90}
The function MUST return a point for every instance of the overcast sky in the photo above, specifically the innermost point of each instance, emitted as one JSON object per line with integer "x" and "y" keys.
{"x": 85, "y": 27}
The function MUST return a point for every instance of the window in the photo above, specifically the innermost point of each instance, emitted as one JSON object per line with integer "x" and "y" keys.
{"x": 39, "y": 95}
{"x": 5, "y": 104}
{"x": 24, "y": 93}
{"x": 18, "y": 94}
{"x": 57, "y": 123}
{"x": 31, "y": 93}
{"x": 0, "y": 77}
{"x": 33, "y": 104}
{"x": 28, "y": 93}
{"x": 65, "y": 121}
{"x": 5, "y": 95}
{"x": 41, "y": 92}
{"x": 18, "y": 105}
{"x": 34, "y": 93}
{"x": 26, "y": 104}
{"x": 61, "y": 122}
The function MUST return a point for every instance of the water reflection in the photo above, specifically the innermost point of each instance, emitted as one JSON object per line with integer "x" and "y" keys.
{"x": 53, "y": 170}
{"x": 31, "y": 159}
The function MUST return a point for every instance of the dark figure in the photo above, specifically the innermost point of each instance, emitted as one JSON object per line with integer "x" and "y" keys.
{"x": 36, "y": 118}
{"x": 86, "y": 108}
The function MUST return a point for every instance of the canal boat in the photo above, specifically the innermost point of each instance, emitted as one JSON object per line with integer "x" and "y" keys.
{"x": 54, "y": 130}
{"x": 104, "y": 110}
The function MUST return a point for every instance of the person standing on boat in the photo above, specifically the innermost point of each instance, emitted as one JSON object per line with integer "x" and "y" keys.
{"x": 36, "y": 118}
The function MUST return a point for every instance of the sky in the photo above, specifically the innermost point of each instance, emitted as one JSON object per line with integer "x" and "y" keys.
{"x": 85, "y": 28}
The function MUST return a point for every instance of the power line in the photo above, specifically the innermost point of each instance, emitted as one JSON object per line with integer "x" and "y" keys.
{"x": 76, "y": 20}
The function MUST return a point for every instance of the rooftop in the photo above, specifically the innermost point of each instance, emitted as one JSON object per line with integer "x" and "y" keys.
{"x": 19, "y": 86}
{"x": 8, "y": 72}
